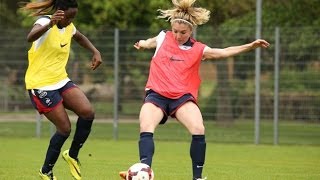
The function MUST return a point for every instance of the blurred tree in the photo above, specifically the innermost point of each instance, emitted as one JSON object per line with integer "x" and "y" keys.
{"x": 126, "y": 14}
{"x": 122, "y": 14}
{"x": 8, "y": 13}
{"x": 289, "y": 15}
{"x": 229, "y": 18}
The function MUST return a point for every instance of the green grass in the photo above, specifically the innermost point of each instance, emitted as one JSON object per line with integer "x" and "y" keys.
{"x": 22, "y": 157}
{"x": 290, "y": 133}
{"x": 231, "y": 154}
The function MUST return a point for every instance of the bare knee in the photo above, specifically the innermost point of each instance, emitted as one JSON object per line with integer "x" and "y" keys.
{"x": 147, "y": 126}
{"x": 64, "y": 129}
{"x": 144, "y": 127}
{"x": 87, "y": 113}
{"x": 197, "y": 129}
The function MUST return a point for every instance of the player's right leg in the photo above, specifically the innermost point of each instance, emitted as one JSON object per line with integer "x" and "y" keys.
{"x": 50, "y": 104}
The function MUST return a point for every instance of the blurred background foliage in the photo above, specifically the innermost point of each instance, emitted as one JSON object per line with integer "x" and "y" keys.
{"x": 231, "y": 22}
{"x": 125, "y": 14}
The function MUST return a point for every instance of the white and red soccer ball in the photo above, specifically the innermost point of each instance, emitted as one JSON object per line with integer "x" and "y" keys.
{"x": 140, "y": 171}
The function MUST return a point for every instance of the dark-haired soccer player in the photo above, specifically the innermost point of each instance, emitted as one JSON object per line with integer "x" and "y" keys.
{"x": 50, "y": 89}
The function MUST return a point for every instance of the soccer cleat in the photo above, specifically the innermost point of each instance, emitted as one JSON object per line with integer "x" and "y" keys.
{"x": 201, "y": 178}
{"x": 47, "y": 176}
{"x": 123, "y": 175}
{"x": 74, "y": 165}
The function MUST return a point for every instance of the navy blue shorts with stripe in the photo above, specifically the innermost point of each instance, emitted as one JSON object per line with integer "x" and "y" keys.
{"x": 45, "y": 101}
{"x": 168, "y": 106}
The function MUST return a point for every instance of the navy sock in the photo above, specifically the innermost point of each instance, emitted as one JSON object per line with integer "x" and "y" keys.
{"x": 83, "y": 130}
{"x": 197, "y": 153}
{"x": 146, "y": 147}
{"x": 56, "y": 143}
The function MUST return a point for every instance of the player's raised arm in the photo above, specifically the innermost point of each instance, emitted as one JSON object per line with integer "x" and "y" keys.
{"x": 146, "y": 44}
{"x": 217, "y": 53}
{"x": 38, "y": 30}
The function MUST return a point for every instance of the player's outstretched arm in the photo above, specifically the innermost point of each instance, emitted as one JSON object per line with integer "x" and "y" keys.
{"x": 216, "y": 53}
{"x": 86, "y": 43}
{"x": 146, "y": 44}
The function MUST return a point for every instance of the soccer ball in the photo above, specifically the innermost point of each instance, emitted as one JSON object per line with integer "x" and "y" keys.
{"x": 140, "y": 171}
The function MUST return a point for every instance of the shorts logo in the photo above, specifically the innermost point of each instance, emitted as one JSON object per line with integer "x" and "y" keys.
{"x": 43, "y": 94}
{"x": 48, "y": 101}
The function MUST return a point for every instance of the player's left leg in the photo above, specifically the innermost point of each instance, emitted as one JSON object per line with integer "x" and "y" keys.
{"x": 75, "y": 100}
{"x": 73, "y": 163}
{"x": 190, "y": 116}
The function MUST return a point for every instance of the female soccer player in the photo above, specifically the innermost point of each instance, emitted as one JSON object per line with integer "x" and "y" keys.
{"x": 173, "y": 82}
{"x": 51, "y": 91}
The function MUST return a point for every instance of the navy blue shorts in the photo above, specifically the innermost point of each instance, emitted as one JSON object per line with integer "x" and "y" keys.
{"x": 168, "y": 106}
{"x": 44, "y": 101}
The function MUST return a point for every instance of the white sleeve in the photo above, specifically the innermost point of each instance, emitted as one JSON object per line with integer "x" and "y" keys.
{"x": 74, "y": 30}
{"x": 205, "y": 49}
{"x": 42, "y": 21}
{"x": 159, "y": 40}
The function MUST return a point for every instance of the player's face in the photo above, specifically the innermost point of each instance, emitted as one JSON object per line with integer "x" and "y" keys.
{"x": 181, "y": 32}
{"x": 69, "y": 15}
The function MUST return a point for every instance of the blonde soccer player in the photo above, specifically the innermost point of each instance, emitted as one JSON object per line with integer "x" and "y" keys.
{"x": 173, "y": 82}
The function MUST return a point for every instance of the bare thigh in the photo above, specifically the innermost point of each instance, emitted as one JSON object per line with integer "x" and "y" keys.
{"x": 190, "y": 116}
{"x": 150, "y": 117}
{"x": 75, "y": 100}
{"x": 59, "y": 117}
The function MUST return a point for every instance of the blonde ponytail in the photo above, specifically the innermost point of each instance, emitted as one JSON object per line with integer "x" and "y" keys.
{"x": 184, "y": 10}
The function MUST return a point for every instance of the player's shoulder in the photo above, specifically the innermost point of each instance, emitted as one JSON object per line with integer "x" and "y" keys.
{"x": 48, "y": 17}
{"x": 43, "y": 20}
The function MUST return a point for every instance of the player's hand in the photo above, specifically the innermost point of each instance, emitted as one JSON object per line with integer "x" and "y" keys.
{"x": 56, "y": 17}
{"x": 260, "y": 43}
{"x": 137, "y": 45}
{"x": 96, "y": 60}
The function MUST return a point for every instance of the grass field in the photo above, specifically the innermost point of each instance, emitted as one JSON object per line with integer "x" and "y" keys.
{"x": 21, "y": 154}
